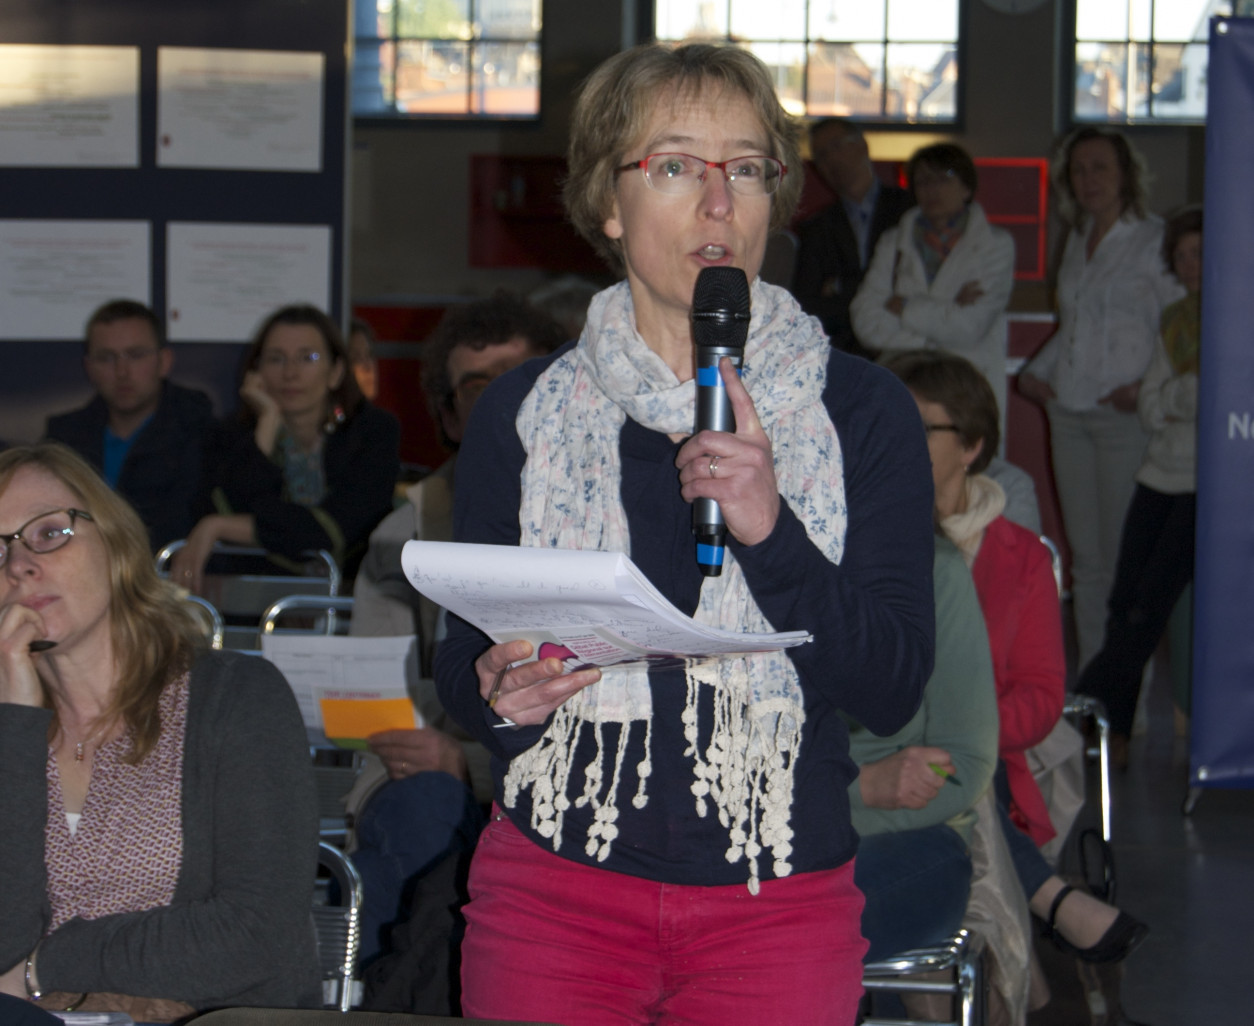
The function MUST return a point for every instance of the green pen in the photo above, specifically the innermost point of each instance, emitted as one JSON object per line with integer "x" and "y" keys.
{"x": 942, "y": 772}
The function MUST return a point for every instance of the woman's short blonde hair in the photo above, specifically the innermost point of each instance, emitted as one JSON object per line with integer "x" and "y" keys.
{"x": 1132, "y": 167}
{"x": 616, "y": 101}
{"x": 155, "y": 633}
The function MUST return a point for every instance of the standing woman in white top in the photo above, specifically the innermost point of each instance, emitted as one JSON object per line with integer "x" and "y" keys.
{"x": 1112, "y": 287}
{"x": 942, "y": 278}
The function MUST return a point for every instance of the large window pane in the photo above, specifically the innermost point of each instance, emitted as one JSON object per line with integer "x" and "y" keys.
{"x": 841, "y": 21}
{"x": 687, "y": 19}
{"x": 1180, "y": 81}
{"x": 433, "y": 77}
{"x": 828, "y": 56}
{"x": 468, "y": 58}
{"x": 779, "y": 19}
{"x": 434, "y": 19}
{"x": 506, "y": 79}
{"x": 1101, "y": 74}
{"x": 372, "y": 76}
{"x": 922, "y": 80}
{"x": 1115, "y": 78}
{"x": 786, "y": 62}
{"x": 1101, "y": 19}
{"x": 845, "y": 80}
{"x": 508, "y": 19}
{"x": 1178, "y": 21}
{"x": 922, "y": 20}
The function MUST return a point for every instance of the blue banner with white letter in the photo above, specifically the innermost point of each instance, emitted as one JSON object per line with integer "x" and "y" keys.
{"x": 1222, "y": 752}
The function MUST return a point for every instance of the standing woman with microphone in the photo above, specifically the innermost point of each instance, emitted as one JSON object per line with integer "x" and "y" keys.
{"x": 674, "y": 844}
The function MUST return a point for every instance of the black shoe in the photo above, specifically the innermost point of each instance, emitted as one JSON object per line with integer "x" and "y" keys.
{"x": 1116, "y": 944}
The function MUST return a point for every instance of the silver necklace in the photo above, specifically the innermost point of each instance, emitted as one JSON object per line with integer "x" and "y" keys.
{"x": 80, "y": 746}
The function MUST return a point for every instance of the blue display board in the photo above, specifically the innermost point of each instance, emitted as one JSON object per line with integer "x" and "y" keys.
{"x": 1222, "y": 751}
{"x": 46, "y": 376}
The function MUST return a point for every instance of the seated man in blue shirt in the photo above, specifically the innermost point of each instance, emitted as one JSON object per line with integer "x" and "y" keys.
{"x": 141, "y": 432}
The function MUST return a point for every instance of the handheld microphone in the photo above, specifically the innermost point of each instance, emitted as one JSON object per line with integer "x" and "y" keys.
{"x": 720, "y": 325}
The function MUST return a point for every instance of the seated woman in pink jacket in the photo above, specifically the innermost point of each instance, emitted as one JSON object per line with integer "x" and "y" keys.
{"x": 1014, "y": 580}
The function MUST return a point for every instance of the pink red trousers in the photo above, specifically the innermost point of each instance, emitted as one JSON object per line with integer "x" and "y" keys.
{"x": 549, "y": 940}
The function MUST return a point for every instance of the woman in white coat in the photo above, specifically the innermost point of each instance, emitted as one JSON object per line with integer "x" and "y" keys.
{"x": 1112, "y": 288}
{"x": 942, "y": 278}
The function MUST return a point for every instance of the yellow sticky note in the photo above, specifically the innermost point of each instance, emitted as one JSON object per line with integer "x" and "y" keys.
{"x": 358, "y": 718}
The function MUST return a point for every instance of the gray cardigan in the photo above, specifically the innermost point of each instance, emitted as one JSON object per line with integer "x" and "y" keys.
{"x": 237, "y": 931}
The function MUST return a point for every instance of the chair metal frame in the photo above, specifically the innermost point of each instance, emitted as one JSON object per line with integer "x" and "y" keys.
{"x": 207, "y": 610}
{"x": 964, "y": 954}
{"x": 334, "y": 781}
{"x": 329, "y": 604}
{"x": 243, "y": 595}
{"x": 338, "y": 927}
{"x": 334, "y": 578}
{"x": 1080, "y": 707}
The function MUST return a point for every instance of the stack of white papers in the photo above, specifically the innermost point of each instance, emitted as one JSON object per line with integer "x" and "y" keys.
{"x": 586, "y": 608}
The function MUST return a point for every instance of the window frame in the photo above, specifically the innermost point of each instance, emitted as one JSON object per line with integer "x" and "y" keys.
{"x": 395, "y": 117}
{"x": 1069, "y": 15}
{"x": 647, "y": 30}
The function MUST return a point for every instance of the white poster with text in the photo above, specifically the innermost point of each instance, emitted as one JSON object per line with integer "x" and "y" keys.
{"x": 69, "y": 106}
{"x": 247, "y": 110}
{"x": 54, "y": 274}
{"x": 223, "y": 279}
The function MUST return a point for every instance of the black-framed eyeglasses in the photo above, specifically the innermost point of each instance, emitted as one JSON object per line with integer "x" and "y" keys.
{"x": 44, "y": 533}
{"x": 929, "y": 428}
{"x": 677, "y": 173}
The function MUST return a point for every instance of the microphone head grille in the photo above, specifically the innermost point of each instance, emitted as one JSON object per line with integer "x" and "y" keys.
{"x": 720, "y": 307}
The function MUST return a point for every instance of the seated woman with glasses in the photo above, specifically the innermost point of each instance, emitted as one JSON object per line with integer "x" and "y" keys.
{"x": 1014, "y": 578}
{"x": 158, "y": 806}
{"x": 310, "y": 465}
{"x": 672, "y": 843}
{"x": 942, "y": 278}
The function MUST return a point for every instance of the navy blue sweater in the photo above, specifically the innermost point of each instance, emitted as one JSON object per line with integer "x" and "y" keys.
{"x": 871, "y": 617}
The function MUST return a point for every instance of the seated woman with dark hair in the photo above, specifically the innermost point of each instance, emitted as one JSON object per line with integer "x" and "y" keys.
{"x": 1014, "y": 579}
{"x": 912, "y": 803}
{"x": 311, "y": 465}
{"x": 158, "y": 806}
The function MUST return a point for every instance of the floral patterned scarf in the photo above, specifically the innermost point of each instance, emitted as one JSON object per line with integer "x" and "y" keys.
{"x": 569, "y": 425}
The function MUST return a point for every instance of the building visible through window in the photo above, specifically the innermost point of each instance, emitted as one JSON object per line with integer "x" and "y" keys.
{"x": 874, "y": 60}
{"x": 1142, "y": 60}
{"x": 451, "y": 58}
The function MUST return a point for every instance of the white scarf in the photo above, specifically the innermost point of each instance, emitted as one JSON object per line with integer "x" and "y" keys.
{"x": 569, "y": 425}
{"x": 985, "y": 502}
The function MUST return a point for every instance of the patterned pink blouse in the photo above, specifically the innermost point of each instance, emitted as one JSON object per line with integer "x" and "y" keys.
{"x": 126, "y": 853}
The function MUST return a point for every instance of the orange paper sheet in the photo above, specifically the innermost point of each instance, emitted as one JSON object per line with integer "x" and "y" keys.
{"x": 356, "y": 719}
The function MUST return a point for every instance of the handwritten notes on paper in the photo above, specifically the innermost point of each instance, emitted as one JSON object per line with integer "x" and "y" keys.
{"x": 586, "y": 608}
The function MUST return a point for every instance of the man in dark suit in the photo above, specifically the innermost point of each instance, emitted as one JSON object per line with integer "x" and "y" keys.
{"x": 835, "y": 246}
{"x": 143, "y": 434}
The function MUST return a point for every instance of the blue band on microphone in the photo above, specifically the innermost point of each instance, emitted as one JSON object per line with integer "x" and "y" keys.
{"x": 709, "y": 555}
{"x": 708, "y": 377}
